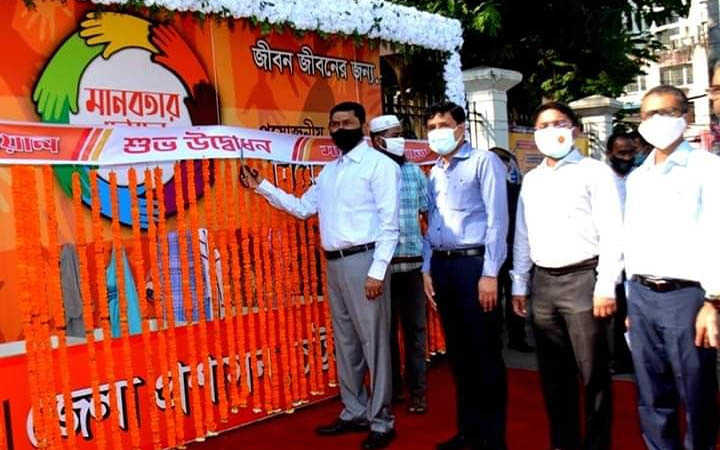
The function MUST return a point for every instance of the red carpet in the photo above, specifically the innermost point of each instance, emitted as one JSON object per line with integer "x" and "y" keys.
{"x": 527, "y": 425}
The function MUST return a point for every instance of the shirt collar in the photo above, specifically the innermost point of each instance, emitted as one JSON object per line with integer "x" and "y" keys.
{"x": 357, "y": 153}
{"x": 462, "y": 153}
{"x": 679, "y": 157}
{"x": 571, "y": 158}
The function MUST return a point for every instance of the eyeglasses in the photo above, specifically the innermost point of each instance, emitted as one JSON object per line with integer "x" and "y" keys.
{"x": 672, "y": 112}
{"x": 556, "y": 124}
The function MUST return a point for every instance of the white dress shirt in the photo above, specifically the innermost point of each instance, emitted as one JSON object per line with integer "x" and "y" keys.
{"x": 672, "y": 218}
{"x": 620, "y": 181}
{"x": 567, "y": 214}
{"x": 356, "y": 199}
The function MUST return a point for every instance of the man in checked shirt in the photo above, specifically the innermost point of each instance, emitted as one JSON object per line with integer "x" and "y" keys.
{"x": 406, "y": 282}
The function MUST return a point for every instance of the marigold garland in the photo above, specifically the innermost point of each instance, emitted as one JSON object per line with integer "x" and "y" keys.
{"x": 245, "y": 207}
{"x": 211, "y": 215}
{"x": 281, "y": 297}
{"x": 123, "y": 307}
{"x": 312, "y": 252}
{"x": 257, "y": 237}
{"x": 291, "y": 283}
{"x": 232, "y": 310}
{"x": 139, "y": 263}
{"x": 171, "y": 372}
{"x": 161, "y": 331}
{"x": 314, "y": 369}
{"x": 200, "y": 290}
{"x": 101, "y": 283}
{"x": 187, "y": 300}
{"x": 56, "y": 302}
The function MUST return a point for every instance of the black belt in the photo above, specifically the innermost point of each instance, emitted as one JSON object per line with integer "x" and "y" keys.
{"x": 406, "y": 259}
{"x": 572, "y": 268}
{"x": 335, "y": 254}
{"x": 458, "y": 253}
{"x": 664, "y": 284}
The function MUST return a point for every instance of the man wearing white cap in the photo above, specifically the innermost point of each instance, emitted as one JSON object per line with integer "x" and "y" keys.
{"x": 406, "y": 282}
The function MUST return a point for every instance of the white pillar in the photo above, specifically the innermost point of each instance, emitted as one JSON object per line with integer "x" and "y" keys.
{"x": 596, "y": 115}
{"x": 486, "y": 89}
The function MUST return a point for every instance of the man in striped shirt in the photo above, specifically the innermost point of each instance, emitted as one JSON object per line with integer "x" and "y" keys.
{"x": 406, "y": 283}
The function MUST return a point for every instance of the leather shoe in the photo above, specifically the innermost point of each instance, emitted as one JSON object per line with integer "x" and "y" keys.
{"x": 343, "y": 426}
{"x": 457, "y": 442}
{"x": 378, "y": 440}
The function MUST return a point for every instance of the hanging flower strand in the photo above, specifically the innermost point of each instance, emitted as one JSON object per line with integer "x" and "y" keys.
{"x": 161, "y": 332}
{"x": 211, "y": 215}
{"x": 172, "y": 371}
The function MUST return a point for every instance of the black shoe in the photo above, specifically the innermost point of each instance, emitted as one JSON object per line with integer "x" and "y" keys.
{"x": 418, "y": 404}
{"x": 343, "y": 426}
{"x": 457, "y": 442}
{"x": 378, "y": 440}
{"x": 522, "y": 347}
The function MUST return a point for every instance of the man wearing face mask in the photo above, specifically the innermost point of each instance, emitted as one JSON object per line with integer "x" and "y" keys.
{"x": 406, "y": 284}
{"x": 464, "y": 250}
{"x": 569, "y": 227}
{"x": 356, "y": 199}
{"x": 672, "y": 216}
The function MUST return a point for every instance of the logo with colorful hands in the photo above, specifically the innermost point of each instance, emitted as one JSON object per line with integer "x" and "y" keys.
{"x": 122, "y": 70}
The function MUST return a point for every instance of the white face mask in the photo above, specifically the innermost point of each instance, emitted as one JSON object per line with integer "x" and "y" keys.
{"x": 395, "y": 145}
{"x": 554, "y": 142}
{"x": 662, "y": 131}
{"x": 442, "y": 140}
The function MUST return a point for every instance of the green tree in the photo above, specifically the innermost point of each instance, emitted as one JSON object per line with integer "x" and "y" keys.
{"x": 565, "y": 49}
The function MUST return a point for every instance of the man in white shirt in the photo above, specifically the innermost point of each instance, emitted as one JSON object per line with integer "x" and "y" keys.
{"x": 672, "y": 217}
{"x": 569, "y": 226}
{"x": 356, "y": 199}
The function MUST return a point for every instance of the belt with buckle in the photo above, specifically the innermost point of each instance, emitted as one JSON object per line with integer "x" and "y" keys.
{"x": 664, "y": 284}
{"x": 460, "y": 252}
{"x": 336, "y": 254}
{"x": 406, "y": 259}
{"x": 572, "y": 268}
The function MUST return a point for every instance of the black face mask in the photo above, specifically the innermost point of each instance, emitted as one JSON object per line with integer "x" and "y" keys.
{"x": 622, "y": 166}
{"x": 346, "y": 139}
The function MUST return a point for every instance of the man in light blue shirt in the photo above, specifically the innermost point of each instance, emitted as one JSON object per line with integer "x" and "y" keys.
{"x": 465, "y": 248}
{"x": 672, "y": 217}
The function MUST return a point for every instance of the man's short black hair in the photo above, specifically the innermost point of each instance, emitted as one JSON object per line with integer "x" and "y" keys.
{"x": 355, "y": 107}
{"x": 614, "y": 137}
{"x": 456, "y": 111}
{"x": 503, "y": 154}
{"x": 560, "y": 107}
{"x": 666, "y": 89}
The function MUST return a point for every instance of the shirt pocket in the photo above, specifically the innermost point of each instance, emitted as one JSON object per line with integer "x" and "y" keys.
{"x": 463, "y": 194}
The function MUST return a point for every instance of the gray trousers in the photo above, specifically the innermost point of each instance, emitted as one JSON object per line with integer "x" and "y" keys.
{"x": 362, "y": 341}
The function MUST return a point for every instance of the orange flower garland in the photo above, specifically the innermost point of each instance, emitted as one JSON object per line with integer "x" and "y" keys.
{"x": 233, "y": 308}
{"x": 139, "y": 263}
{"x": 157, "y": 295}
{"x": 56, "y": 302}
{"x": 246, "y": 207}
{"x": 217, "y": 345}
{"x": 187, "y": 301}
{"x": 301, "y": 185}
{"x": 200, "y": 290}
{"x": 257, "y": 236}
{"x": 312, "y": 252}
{"x": 169, "y": 370}
{"x": 123, "y": 307}
{"x": 100, "y": 280}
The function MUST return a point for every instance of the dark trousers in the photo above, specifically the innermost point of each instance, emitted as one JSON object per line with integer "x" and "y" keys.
{"x": 671, "y": 370}
{"x": 474, "y": 349}
{"x": 515, "y": 325}
{"x": 408, "y": 310}
{"x": 570, "y": 341}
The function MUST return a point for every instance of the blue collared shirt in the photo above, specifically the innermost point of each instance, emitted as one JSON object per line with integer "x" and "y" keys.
{"x": 413, "y": 201}
{"x": 467, "y": 201}
{"x": 672, "y": 218}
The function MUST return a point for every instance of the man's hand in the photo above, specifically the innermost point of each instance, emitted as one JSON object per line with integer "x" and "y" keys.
{"x": 519, "y": 304}
{"x": 604, "y": 306}
{"x": 429, "y": 290}
{"x": 249, "y": 177}
{"x": 706, "y": 327}
{"x": 373, "y": 288}
{"x": 487, "y": 293}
